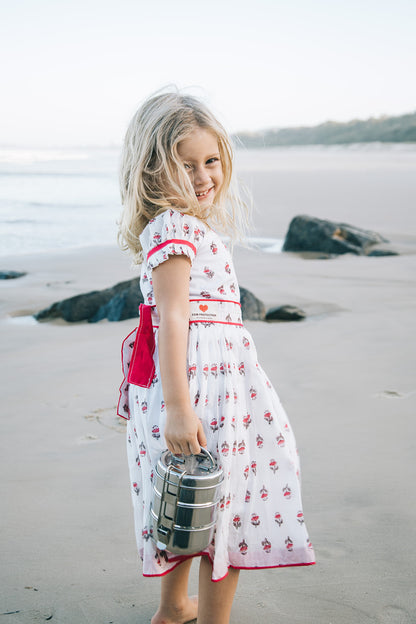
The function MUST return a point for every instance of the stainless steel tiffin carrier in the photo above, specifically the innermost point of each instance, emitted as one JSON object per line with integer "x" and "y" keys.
{"x": 186, "y": 491}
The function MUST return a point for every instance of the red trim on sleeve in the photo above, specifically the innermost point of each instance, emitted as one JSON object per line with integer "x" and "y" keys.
{"x": 167, "y": 242}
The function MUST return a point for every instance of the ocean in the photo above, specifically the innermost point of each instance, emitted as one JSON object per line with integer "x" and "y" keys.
{"x": 54, "y": 199}
{"x": 60, "y": 198}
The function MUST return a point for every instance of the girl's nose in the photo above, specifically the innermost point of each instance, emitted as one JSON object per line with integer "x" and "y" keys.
{"x": 200, "y": 176}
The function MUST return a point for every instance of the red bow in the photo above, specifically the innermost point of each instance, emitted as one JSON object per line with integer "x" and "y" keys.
{"x": 142, "y": 366}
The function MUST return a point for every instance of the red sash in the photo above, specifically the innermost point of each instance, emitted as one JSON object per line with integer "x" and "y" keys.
{"x": 142, "y": 366}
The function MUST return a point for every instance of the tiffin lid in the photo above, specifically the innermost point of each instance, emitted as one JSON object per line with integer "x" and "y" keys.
{"x": 191, "y": 470}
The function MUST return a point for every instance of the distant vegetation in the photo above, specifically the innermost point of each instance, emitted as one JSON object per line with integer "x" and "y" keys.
{"x": 384, "y": 129}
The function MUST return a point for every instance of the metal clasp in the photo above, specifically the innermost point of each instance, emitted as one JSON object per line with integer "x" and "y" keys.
{"x": 165, "y": 523}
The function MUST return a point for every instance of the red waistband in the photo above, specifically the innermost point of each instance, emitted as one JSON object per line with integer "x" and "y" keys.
{"x": 208, "y": 311}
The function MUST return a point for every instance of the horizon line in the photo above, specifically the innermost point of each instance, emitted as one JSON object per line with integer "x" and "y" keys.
{"x": 117, "y": 145}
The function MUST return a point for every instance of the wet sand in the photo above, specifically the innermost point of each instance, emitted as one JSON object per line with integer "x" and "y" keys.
{"x": 346, "y": 376}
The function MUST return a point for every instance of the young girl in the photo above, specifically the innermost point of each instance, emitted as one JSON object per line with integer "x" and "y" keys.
{"x": 197, "y": 382}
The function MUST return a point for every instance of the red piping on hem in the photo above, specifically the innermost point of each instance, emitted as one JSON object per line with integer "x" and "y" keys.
{"x": 285, "y": 565}
{"x": 184, "y": 558}
{"x": 177, "y": 561}
{"x": 168, "y": 242}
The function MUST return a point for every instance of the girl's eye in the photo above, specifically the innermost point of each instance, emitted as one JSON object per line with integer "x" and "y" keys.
{"x": 210, "y": 161}
{"x": 187, "y": 166}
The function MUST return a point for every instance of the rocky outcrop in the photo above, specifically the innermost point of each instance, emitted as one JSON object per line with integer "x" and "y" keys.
{"x": 311, "y": 234}
{"x": 115, "y": 304}
{"x": 5, "y": 275}
{"x": 252, "y": 308}
{"x": 285, "y": 313}
{"x": 122, "y": 302}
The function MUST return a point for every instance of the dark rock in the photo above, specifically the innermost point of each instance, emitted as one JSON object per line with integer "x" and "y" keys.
{"x": 11, "y": 274}
{"x": 123, "y": 305}
{"x": 311, "y": 234}
{"x": 382, "y": 252}
{"x": 252, "y": 308}
{"x": 316, "y": 255}
{"x": 115, "y": 304}
{"x": 285, "y": 313}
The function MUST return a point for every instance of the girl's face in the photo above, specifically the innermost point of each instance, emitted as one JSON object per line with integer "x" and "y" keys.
{"x": 201, "y": 158}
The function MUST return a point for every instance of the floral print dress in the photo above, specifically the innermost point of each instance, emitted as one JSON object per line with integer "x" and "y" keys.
{"x": 260, "y": 519}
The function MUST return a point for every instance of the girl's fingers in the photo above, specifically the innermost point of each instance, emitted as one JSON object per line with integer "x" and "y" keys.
{"x": 178, "y": 448}
{"x": 202, "y": 439}
{"x": 194, "y": 447}
{"x": 185, "y": 448}
{"x": 173, "y": 448}
{"x": 190, "y": 444}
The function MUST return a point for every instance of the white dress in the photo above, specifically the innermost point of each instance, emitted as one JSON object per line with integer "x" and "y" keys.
{"x": 260, "y": 520}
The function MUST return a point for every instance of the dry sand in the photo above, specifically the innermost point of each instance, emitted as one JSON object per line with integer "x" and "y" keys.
{"x": 346, "y": 376}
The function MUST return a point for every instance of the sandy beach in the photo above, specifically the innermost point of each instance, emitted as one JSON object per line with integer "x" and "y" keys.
{"x": 346, "y": 376}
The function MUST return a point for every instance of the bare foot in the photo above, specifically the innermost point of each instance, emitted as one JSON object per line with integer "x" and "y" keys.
{"x": 177, "y": 615}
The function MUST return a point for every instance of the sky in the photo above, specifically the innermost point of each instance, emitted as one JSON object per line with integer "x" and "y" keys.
{"x": 73, "y": 72}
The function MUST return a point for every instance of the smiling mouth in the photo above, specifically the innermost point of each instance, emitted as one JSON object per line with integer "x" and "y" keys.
{"x": 204, "y": 194}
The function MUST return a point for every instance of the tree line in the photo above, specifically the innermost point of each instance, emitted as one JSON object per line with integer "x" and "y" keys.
{"x": 401, "y": 129}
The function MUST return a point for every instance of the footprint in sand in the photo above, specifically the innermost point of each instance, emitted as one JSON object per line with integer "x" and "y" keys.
{"x": 88, "y": 438}
{"x": 107, "y": 417}
{"x": 33, "y": 616}
{"x": 394, "y": 394}
{"x": 58, "y": 283}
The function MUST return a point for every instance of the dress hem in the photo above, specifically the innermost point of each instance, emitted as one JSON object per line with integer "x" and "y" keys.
{"x": 234, "y": 567}
{"x": 178, "y": 560}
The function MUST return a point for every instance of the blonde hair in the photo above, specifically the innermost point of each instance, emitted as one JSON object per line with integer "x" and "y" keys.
{"x": 153, "y": 178}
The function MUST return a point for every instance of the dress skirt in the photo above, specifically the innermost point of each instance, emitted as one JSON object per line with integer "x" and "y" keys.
{"x": 260, "y": 518}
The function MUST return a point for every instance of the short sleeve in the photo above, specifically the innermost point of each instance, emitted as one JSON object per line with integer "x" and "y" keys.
{"x": 171, "y": 233}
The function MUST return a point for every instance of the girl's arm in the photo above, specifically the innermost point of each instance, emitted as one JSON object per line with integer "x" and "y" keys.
{"x": 183, "y": 429}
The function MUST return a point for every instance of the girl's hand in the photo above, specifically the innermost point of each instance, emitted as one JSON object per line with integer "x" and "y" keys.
{"x": 184, "y": 432}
